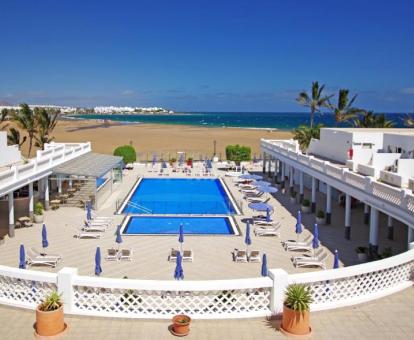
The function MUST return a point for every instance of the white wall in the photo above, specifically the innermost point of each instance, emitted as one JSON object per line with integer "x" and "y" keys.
{"x": 406, "y": 142}
{"x": 333, "y": 145}
{"x": 9, "y": 154}
{"x": 406, "y": 168}
{"x": 366, "y": 136}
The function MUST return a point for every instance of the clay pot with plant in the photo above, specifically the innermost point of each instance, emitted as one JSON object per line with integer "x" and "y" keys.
{"x": 295, "y": 319}
{"x": 305, "y": 206}
{"x": 181, "y": 325}
{"x": 38, "y": 213}
{"x": 361, "y": 253}
{"x": 49, "y": 316}
{"x": 320, "y": 217}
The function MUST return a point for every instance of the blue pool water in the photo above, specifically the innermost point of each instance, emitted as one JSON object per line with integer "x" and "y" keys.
{"x": 179, "y": 196}
{"x": 100, "y": 181}
{"x": 170, "y": 225}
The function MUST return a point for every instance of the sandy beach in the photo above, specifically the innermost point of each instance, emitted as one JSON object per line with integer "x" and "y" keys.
{"x": 160, "y": 139}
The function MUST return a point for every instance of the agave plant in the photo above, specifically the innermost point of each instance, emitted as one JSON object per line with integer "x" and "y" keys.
{"x": 303, "y": 134}
{"x": 52, "y": 302}
{"x": 315, "y": 101}
{"x": 369, "y": 119}
{"x": 45, "y": 123}
{"x": 344, "y": 110}
{"x": 298, "y": 297}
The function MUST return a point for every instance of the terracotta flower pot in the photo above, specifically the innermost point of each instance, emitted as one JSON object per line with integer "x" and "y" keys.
{"x": 294, "y": 322}
{"x": 181, "y": 325}
{"x": 50, "y": 323}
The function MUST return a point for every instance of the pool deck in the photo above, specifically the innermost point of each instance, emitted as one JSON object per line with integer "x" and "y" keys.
{"x": 212, "y": 254}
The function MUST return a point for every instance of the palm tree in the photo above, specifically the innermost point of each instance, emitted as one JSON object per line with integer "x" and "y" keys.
{"x": 13, "y": 138}
{"x": 3, "y": 116}
{"x": 409, "y": 121}
{"x": 303, "y": 134}
{"x": 45, "y": 123}
{"x": 315, "y": 102}
{"x": 344, "y": 110}
{"x": 25, "y": 120}
{"x": 369, "y": 119}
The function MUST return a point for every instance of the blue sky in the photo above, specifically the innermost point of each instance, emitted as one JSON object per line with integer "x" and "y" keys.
{"x": 206, "y": 55}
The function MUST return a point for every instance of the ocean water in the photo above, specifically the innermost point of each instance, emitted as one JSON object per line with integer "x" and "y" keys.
{"x": 258, "y": 120}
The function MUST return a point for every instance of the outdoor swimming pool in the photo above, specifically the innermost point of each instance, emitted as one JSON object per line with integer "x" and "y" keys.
{"x": 178, "y": 196}
{"x": 169, "y": 225}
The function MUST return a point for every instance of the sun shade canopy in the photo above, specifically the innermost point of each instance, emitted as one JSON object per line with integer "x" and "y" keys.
{"x": 90, "y": 165}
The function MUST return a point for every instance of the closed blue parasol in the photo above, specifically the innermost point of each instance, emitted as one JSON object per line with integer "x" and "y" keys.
{"x": 118, "y": 238}
{"x": 179, "y": 273}
{"x": 336, "y": 260}
{"x": 268, "y": 218}
{"x": 154, "y": 160}
{"x": 98, "y": 268}
{"x": 248, "y": 176}
{"x": 298, "y": 227}
{"x": 247, "y": 239}
{"x": 88, "y": 211}
{"x": 260, "y": 206}
{"x": 181, "y": 237}
{"x": 267, "y": 189}
{"x": 22, "y": 257}
{"x": 164, "y": 165}
{"x": 45, "y": 243}
{"x": 264, "y": 265}
{"x": 315, "y": 241}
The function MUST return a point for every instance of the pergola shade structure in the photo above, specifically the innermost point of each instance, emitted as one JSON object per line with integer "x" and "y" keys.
{"x": 86, "y": 178}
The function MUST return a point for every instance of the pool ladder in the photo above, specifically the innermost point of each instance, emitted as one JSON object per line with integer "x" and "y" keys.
{"x": 139, "y": 207}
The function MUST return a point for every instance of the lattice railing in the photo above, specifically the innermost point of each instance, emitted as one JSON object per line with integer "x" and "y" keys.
{"x": 410, "y": 202}
{"x": 387, "y": 193}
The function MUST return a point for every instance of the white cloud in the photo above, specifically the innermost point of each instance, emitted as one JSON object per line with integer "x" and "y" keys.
{"x": 408, "y": 90}
{"x": 128, "y": 92}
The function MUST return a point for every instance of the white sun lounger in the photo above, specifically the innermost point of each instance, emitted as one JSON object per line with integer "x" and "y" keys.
{"x": 261, "y": 223}
{"x": 97, "y": 223}
{"x": 312, "y": 262}
{"x": 240, "y": 255}
{"x": 187, "y": 255}
{"x": 41, "y": 262}
{"x": 125, "y": 254}
{"x": 305, "y": 241}
{"x": 254, "y": 256}
{"x": 101, "y": 219}
{"x": 315, "y": 256}
{"x": 112, "y": 254}
{"x": 37, "y": 254}
{"x": 88, "y": 234}
{"x": 299, "y": 246}
{"x": 92, "y": 228}
{"x": 267, "y": 231}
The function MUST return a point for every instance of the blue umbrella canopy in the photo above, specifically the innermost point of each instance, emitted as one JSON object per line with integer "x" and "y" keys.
{"x": 264, "y": 265}
{"x": 260, "y": 206}
{"x": 248, "y": 176}
{"x": 336, "y": 260}
{"x": 118, "y": 238}
{"x": 262, "y": 183}
{"x": 98, "y": 268}
{"x": 179, "y": 273}
{"x": 22, "y": 257}
{"x": 315, "y": 241}
{"x": 45, "y": 243}
{"x": 181, "y": 237}
{"x": 267, "y": 189}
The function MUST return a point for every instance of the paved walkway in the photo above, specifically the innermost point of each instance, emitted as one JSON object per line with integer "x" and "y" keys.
{"x": 387, "y": 318}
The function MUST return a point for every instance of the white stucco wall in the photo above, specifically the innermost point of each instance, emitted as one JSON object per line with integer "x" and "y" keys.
{"x": 406, "y": 142}
{"x": 8, "y": 154}
{"x": 333, "y": 145}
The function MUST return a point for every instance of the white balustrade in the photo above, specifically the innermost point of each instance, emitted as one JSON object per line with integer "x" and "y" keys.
{"x": 317, "y": 164}
{"x": 410, "y": 202}
{"x": 355, "y": 179}
{"x": 333, "y": 171}
{"x": 366, "y": 170}
{"x": 387, "y": 192}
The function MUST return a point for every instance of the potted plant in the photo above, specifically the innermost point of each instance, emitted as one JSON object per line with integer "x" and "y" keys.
{"x": 181, "y": 325}
{"x": 295, "y": 319}
{"x": 320, "y": 217}
{"x": 38, "y": 213}
{"x": 305, "y": 206}
{"x": 49, "y": 316}
{"x": 293, "y": 197}
{"x": 361, "y": 253}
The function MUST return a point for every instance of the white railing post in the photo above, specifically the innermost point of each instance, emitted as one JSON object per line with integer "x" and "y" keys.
{"x": 280, "y": 283}
{"x": 403, "y": 198}
{"x": 65, "y": 278}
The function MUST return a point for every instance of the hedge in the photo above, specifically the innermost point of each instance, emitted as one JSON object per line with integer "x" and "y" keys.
{"x": 127, "y": 152}
{"x": 238, "y": 153}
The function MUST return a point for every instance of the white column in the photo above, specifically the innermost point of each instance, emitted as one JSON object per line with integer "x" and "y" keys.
{"x": 410, "y": 237}
{"x": 291, "y": 183}
{"x": 347, "y": 216}
{"x": 11, "y": 214}
{"x": 390, "y": 228}
{"x": 373, "y": 232}
{"x": 31, "y": 200}
{"x": 328, "y": 203}
{"x": 366, "y": 213}
{"x": 280, "y": 283}
{"x": 313, "y": 197}
{"x": 46, "y": 186}
{"x": 59, "y": 184}
{"x": 300, "y": 186}
{"x": 65, "y": 280}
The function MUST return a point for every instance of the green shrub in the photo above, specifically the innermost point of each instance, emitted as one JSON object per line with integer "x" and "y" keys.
{"x": 306, "y": 203}
{"x": 238, "y": 153}
{"x": 320, "y": 214}
{"x": 298, "y": 297}
{"x": 127, "y": 152}
{"x": 38, "y": 209}
{"x": 51, "y": 302}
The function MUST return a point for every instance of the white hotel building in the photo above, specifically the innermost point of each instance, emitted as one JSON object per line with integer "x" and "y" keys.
{"x": 371, "y": 166}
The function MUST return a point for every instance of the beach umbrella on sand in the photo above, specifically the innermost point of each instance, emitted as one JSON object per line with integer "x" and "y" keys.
{"x": 22, "y": 257}
{"x": 315, "y": 241}
{"x": 247, "y": 239}
{"x": 45, "y": 243}
{"x": 336, "y": 260}
{"x": 118, "y": 238}
{"x": 260, "y": 206}
{"x": 164, "y": 165}
{"x": 98, "y": 268}
{"x": 179, "y": 273}
{"x": 249, "y": 176}
{"x": 181, "y": 237}
{"x": 264, "y": 265}
{"x": 298, "y": 227}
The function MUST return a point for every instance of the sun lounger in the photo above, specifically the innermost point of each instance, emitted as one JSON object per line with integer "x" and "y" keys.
{"x": 305, "y": 241}
{"x": 240, "y": 256}
{"x": 272, "y": 231}
{"x": 41, "y": 262}
{"x": 256, "y": 199}
{"x": 188, "y": 255}
{"x": 35, "y": 253}
{"x": 101, "y": 218}
{"x": 254, "y": 256}
{"x": 88, "y": 234}
{"x": 315, "y": 256}
{"x": 96, "y": 228}
{"x": 299, "y": 246}
{"x": 312, "y": 262}
{"x": 97, "y": 223}
{"x": 112, "y": 254}
{"x": 173, "y": 255}
{"x": 264, "y": 223}
{"x": 125, "y": 254}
